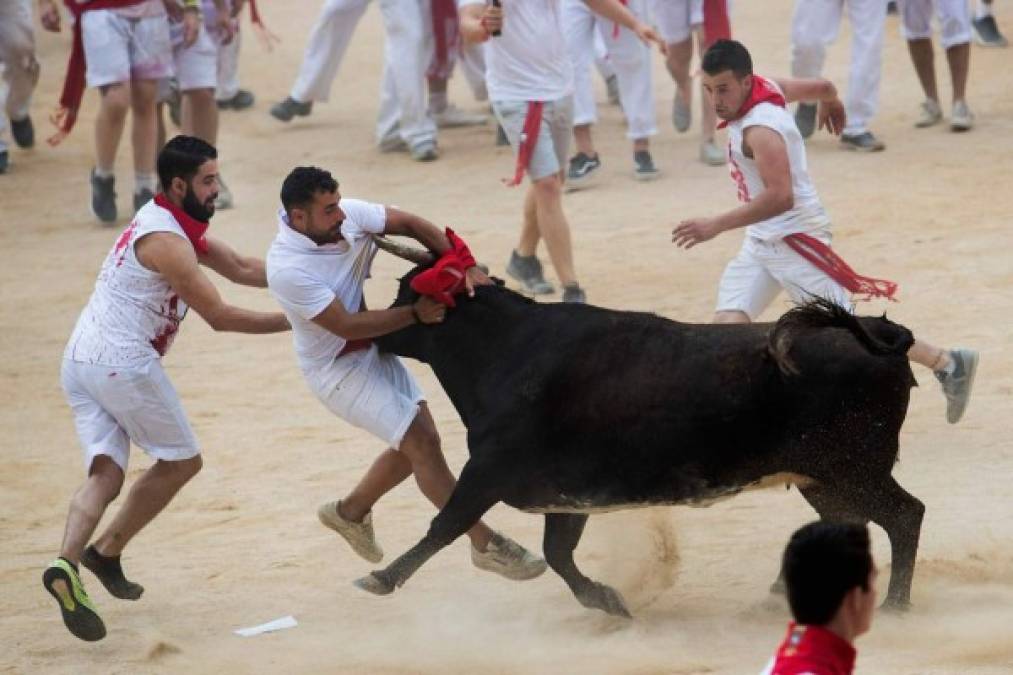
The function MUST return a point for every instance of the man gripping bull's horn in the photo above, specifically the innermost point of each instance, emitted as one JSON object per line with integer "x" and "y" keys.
{"x": 316, "y": 268}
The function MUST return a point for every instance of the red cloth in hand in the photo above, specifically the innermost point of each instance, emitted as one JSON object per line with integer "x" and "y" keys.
{"x": 716, "y": 25}
{"x": 446, "y": 278}
{"x": 529, "y": 138}
{"x": 763, "y": 91}
{"x": 193, "y": 228}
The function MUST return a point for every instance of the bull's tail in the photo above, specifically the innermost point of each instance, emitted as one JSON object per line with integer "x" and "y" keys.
{"x": 879, "y": 336}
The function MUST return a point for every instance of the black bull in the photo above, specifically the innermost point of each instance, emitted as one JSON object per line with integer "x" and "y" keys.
{"x": 572, "y": 408}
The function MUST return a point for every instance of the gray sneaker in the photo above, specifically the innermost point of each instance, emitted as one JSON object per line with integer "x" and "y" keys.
{"x": 958, "y": 383}
{"x": 643, "y": 166}
{"x": 863, "y": 142}
{"x": 711, "y": 154}
{"x": 142, "y": 197}
{"x": 358, "y": 535}
{"x": 528, "y": 271}
{"x": 583, "y": 171}
{"x": 805, "y": 119}
{"x": 241, "y": 101}
{"x": 508, "y": 559}
{"x": 425, "y": 151}
{"x": 961, "y": 119}
{"x": 103, "y": 198}
{"x": 682, "y": 116}
{"x": 289, "y": 108}
{"x": 575, "y": 294}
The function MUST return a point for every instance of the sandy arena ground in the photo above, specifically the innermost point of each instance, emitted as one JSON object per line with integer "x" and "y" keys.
{"x": 242, "y": 545}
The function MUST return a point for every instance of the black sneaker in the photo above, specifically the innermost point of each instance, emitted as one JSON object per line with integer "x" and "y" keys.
{"x": 109, "y": 571}
{"x": 241, "y": 101}
{"x": 891, "y": 7}
{"x": 289, "y": 108}
{"x": 528, "y": 271}
{"x": 4, "y": 161}
{"x": 574, "y": 293}
{"x": 103, "y": 198}
{"x": 805, "y": 119}
{"x": 863, "y": 142}
{"x": 643, "y": 166}
{"x": 582, "y": 170}
{"x": 986, "y": 32}
{"x": 23, "y": 132}
{"x": 142, "y": 197}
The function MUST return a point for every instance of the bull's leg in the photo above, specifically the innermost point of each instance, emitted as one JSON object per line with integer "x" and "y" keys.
{"x": 829, "y": 506}
{"x": 476, "y": 492}
{"x": 562, "y": 533}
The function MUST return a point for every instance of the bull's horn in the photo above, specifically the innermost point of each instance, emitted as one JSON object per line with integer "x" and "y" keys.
{"x": 410, "y": 253}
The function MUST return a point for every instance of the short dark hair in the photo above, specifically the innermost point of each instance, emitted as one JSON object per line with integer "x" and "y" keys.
{"x": 302, "y": 183}
{"x": 727, "y": 55}
{"x": 822, "y": 563}
{"x": 181, "y": 158}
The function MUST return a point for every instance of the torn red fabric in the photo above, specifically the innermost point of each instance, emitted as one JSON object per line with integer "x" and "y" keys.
{"x": 446, "y": 38}
{"x": 824, "y": 258}
{"x": 193, "y": 228}
{"x": 529, "y": 138}
{"x": 266, "y": 37}
{"x": 445, "y": 279}
{"x": 763, "y": 91}
{"x": 74, "y": 81}
{"x": 716, "y": 25}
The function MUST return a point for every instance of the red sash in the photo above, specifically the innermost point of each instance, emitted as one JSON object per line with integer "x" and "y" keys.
{"x": 529, "y": 138}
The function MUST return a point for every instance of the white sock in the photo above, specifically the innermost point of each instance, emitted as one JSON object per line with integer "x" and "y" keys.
{"x": 982, "y": 10}
{"x": 144, "y": 181}
{"x": 103, "y": 173}
{"x": 437, "y": 101}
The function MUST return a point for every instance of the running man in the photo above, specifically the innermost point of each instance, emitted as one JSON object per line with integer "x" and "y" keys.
{"x": 113, "y": 379}
{"x": 316, "y": 269}
{"x": 20, "y": 73}
{"x": 787, "y": 243}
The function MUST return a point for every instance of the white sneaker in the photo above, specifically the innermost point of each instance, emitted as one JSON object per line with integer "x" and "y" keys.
{"x": 711, "y": 154}
{"x": 358, "y": 535}
{"x": 508, "y": 559}
{"x": 393, "y": 142}
{"x": 452, "y": 116}
{"x": 931, "y": 115}
{"x": 961, "y": 119}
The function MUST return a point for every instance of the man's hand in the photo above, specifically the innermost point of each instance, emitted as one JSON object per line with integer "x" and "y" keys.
{"x": 237, "y": 7}
{"x": 475, "y": 277}
{"x": 225, "y": 27}
{"x": 49, "y": 15}
{"x": 649, "y": 35}
{"x": 831, "y": 116}
{"x": 429, "y": 311}
{"x": 691, "y": 232}
{"x": 492, "y": 20}
{"x": 191, "y": 25}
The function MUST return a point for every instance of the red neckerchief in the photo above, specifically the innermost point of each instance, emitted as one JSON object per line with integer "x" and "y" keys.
{"x": 529, "y": 138}
{"x": 814, "y": 650}
{"x": 763, "y": 91}
{"x": 74, "y": 80}
{"x": 445, "y": 279}
{"x": 193, "y": 228}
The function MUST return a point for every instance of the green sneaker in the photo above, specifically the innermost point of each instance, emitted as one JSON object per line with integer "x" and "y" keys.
{"x": 79, "y": 614}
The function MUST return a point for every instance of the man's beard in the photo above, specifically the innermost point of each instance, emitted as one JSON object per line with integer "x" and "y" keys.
{"x": 329, "y": 238}
{"x": 196, "y": 210}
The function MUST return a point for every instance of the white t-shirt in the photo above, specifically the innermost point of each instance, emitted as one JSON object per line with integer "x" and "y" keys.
{"x": 528, "y": 61}
{"x": 306, "y": 277}
{"x": 807, "y": 215}
{"x": 133, "y": 314}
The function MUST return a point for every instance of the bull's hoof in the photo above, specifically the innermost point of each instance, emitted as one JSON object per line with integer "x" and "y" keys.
{"x": 605, "y": 598}
{"x": 374, "y": 584}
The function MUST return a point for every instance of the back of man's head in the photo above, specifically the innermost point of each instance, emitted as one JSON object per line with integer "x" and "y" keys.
{"x": 822, "y": 563}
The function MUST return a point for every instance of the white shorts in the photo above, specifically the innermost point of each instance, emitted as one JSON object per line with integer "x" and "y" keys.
{"x": 118, "y": 49}
{"x": 196, "y": 65}
{"x": 954, "y": 20}
{"x": 372, "y": 391}
{"x": 553, "y": 144}
{"x": 757, "y": 274}
{"x": 677, "y": 19}
{"x": 113, "y": 406}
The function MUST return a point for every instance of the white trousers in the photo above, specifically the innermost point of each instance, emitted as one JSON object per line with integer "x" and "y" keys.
{"x": 630, "y": 58}
{"x": 815, "y": 25}
{"x": 17, "y": 54}
{"x": 228, "y": 67}
{"x": 406, "y": 57}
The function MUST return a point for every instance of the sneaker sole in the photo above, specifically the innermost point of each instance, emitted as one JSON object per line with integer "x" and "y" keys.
{"x": 972, "y": 372}
{"x": 961, "y": 127}
{"x": 514, "y": 574}
{"x": 586, "y": 181}
{"x": 525, "y": 288}
{"x": 858, "y": 148}
{"x": 82, "y": 622}
{"x": 646, "y": 177}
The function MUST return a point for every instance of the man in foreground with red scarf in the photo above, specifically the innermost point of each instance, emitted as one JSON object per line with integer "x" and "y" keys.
{"x": 112, "y": 371}
{"x": 787, "y": 243}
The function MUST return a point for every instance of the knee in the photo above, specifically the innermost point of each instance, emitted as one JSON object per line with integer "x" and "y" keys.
{"x": 105, "y": 477}
{"x": 548, "y": 188}
{"x": 186, "y": 469}
{"x": 116, "y": 99}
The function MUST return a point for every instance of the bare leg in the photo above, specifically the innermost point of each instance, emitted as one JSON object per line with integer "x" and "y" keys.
{"x": 708, "y": 119}
{"x": 582, "y": 139}
{"x": 732, "y": 316}
{"x": 553, "y": 227}
{"x": 421, "y": 445}
{"x": 923, "y": 60}
{"x": 679, "y": 56}
{"x": 148, "y": 496}
{"x": 387, "y": 472}
{"x": 144, "y": 129}
{"x": 529, "y": 229}
{"x": 959, "y": 58}
{"x": 112, "y": 115}
{"x": 929, "y": 356}
{"x": 88, "y": 505}
{"x": 199, "y": 114}
{"x": 641, "y": 144}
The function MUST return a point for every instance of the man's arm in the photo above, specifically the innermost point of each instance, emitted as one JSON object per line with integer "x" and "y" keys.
{"x": 238, "y": 269}
{"x": 478, "y": 22}
{"x": 374, "y": 323}
{"x": 771, "y": 155}
{"x": 615, "y": 11}
{"x": 174, "y": 258}
{"x": 831, "y": 114}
